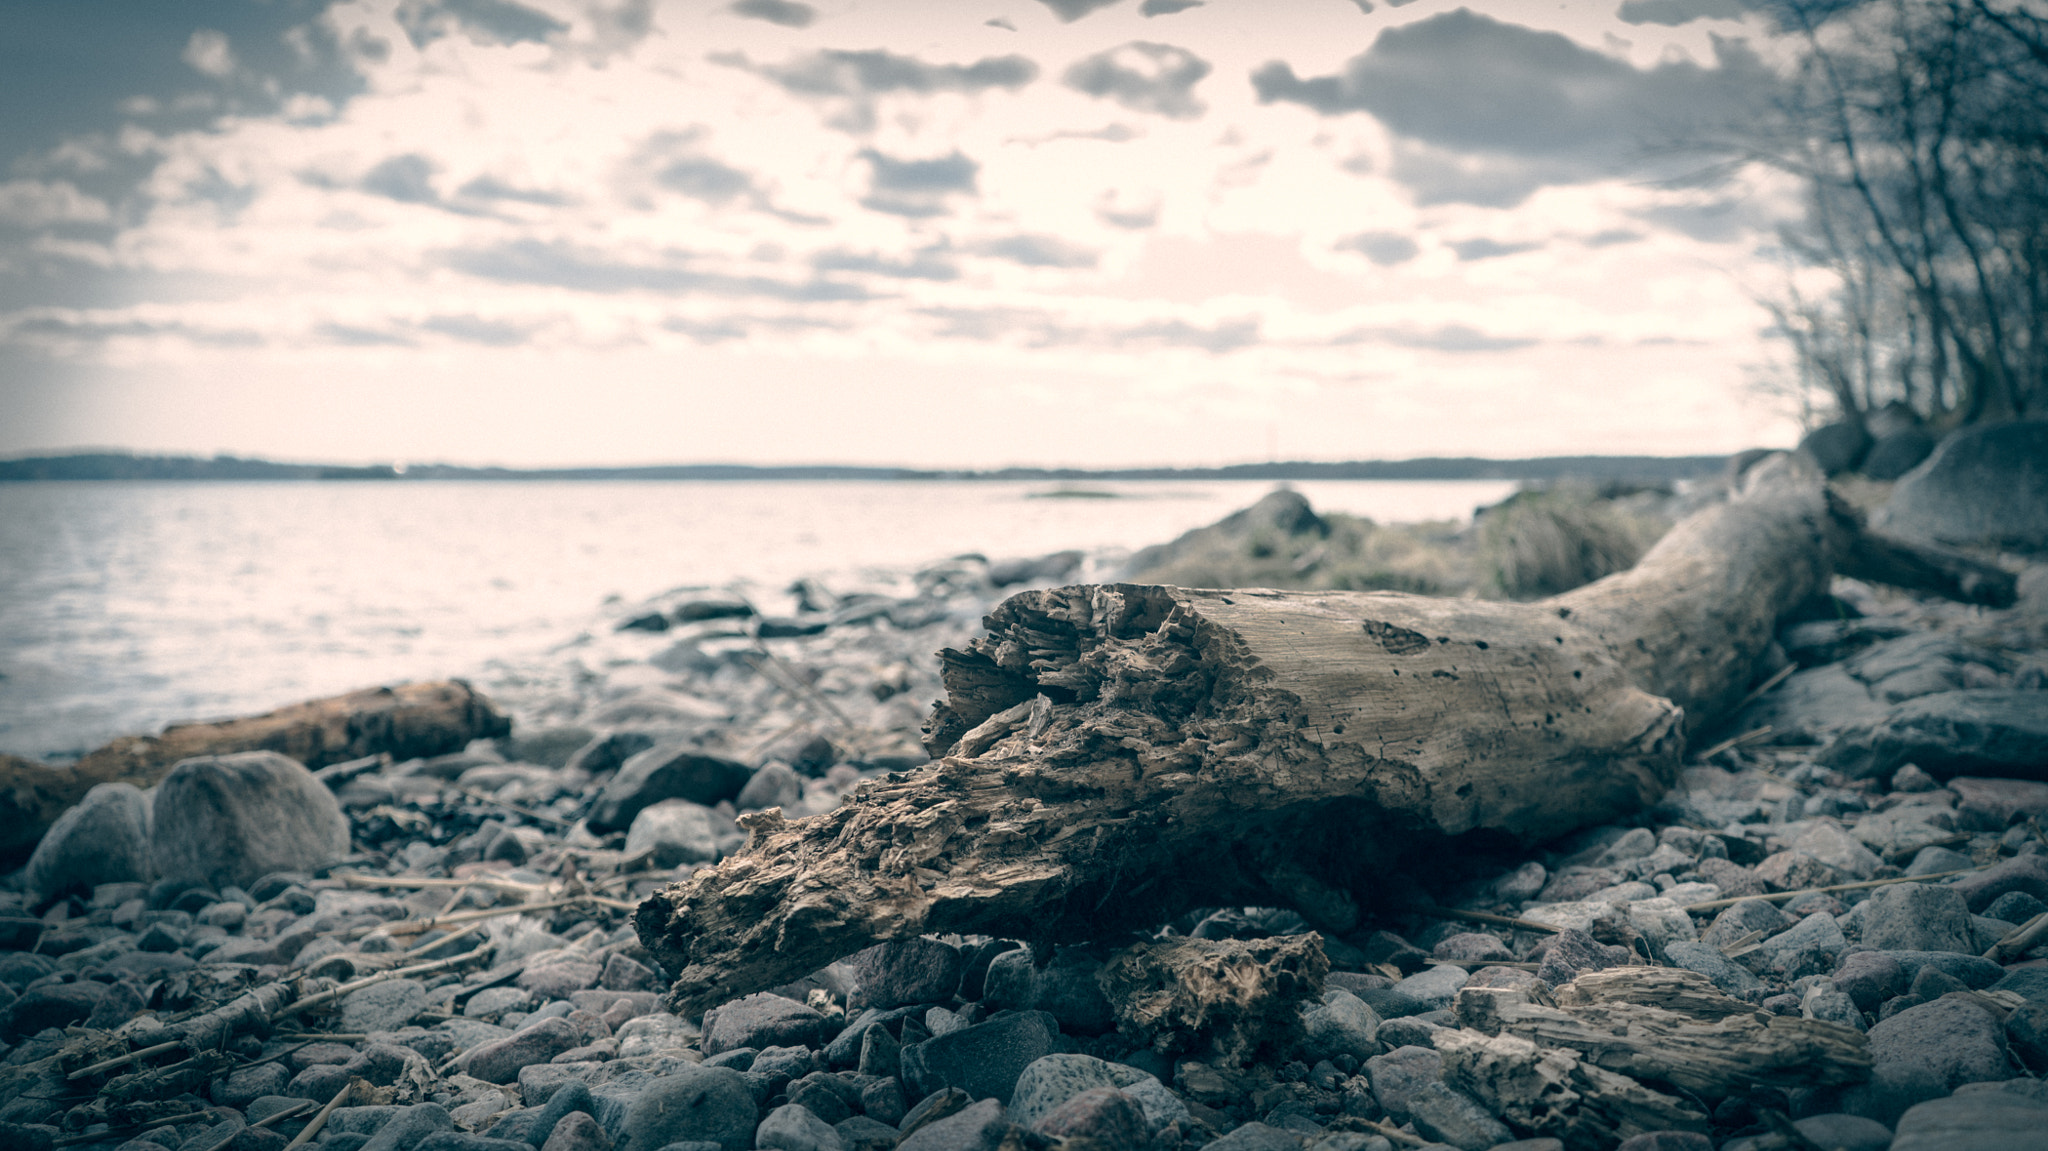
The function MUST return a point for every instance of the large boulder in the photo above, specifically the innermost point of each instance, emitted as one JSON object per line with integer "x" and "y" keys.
{"x": 1983, "y": 485}
{"x": 105, "y": 839}
{"x": 1987, "y": 732}
{"x": 222, "y": 819}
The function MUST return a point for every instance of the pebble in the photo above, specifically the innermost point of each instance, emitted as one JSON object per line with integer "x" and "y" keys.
{"x": 985, "y": 1060}
{"x": 1917, "y": 917}
{"x": 793, "y": 1127}
{"x": 904, "y": 972}
{"x": 762, "y": 1020}
{"x": 697, "y": 1104}
{"x": 1926, "y": 1052}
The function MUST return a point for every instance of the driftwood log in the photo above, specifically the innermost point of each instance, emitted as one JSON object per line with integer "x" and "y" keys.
{"x": 413, "y": 719}
{"x": 1109, "y": 756}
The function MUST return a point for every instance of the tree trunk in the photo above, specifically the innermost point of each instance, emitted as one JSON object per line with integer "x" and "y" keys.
{"x": 1109, "y": 756}
{"x": 413, "y": 719}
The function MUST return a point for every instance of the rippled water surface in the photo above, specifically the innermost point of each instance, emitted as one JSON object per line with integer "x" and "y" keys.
{"x": 126, "y": 606}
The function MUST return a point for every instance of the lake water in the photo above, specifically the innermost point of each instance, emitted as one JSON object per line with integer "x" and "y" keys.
{"x": 126, "y": 606}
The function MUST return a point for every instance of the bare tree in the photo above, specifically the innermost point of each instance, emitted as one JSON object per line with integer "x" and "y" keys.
{"x": 1920, "y": 130}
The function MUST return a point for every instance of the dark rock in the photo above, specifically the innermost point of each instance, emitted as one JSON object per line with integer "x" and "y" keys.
{"x": 666, "y": 771}
{"x": 2026, "y": 1032}
{"x": 821, "y": 1094}
{"x": 1710, "y": 962}
{"x": 117, "y": 1006}
{"x": 676, "y": 831}
{"x": 762, "y": 1020}
{"x": 1102, "y": 1114}
{"x": 1992, "y": 804}
{"x": 1051, "y": 1081}
{"x": 1398, "y": 1075}
{"x": 623, "y": 973}
{"x": 1977, "y": 1122}
{"x": 1926, "y": 1052}
{"x": 104, "y": 839}
{"x": 779, "y": 1065}
{"x": 607, "y": 753}
{"x": 880, "y": 1053}
{"x": 2015, "y": 907}
{"x": 792, "y": 1127}
{"x": 862, "y": 1133}
{"x": 1975, "y": 972}
{"x": 978, "y": 1127}
{"x": 906, "y": 971}
{"x": 774, "y": 785}
{"x": 1066, "y": 988}
{"x": 500, "y": 1061}
{"x": 1894, "y": 454}
{"x": 1451, "y": 1116}
{"x": 1986, "y": 484}
{"x": 712, "y": 607}
{"x": 1837, "y": 447}
{"x": 1471, "y": 945}
{"x": 245, "y": 1085}
{"x": 577, "y": 1131}
{"x": 984, "y": 1060}
{"x": 1810, "y": 947}
{"x": 536, "y": 1125}
{"x": 319, "y": 1082}
{"x": 2028, "y": 873}
{"x": 1795, "y": 871}
{"x": 1342, "y": 1024}
{"x": 1666, "y": 1141}
{"x": 933, "y": 1108}
{"x": 467, "y": 1141}
{"x": 408, "y": 1126}
{"x": 1869, "y": 978}
{"x": 1916, "y": 917}
{"x": 1983, "y": 732}
{"x": 707, "y": 1104}
{"x": 2029, "y": 983}
{"x": 1734, "y": 880}
{"x": 224, "y": 819}
{"x": 1256, "y": 1137}
{"x": 383, "y": 1006}
{"x": 1057, "y": 566}
{"x": 882, "y": 1100}
{"x": 51, "y": 1005}
{"x": 1572, "y": 953}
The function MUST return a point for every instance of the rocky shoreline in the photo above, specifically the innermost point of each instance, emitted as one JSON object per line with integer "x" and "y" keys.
{"x": 1834, "y": 931}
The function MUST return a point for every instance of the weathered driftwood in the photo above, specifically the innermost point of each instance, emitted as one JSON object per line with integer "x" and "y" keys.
{"x": 1598, "y": 1065}
{"x": 1230, "y": 995}
{"x": 414, "y": 719}
{"x": 1112, "y": 755}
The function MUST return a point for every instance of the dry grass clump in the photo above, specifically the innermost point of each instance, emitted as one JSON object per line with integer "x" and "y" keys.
{"x": 1544, "y": 541}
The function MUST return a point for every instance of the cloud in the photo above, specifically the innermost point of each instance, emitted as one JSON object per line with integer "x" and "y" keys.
{"x": 926, "y": 264}
{"x": 1383, "y": 248}
{"x": 1144, "y": 77}
{"x": 1037, "y": 328}
{"x": 37, "y": 204}
{"x": 471, "y": 329}
{"x": 1536, "y": 107}
{"x": 1071, "y": 10}
{"x": 1610, "y": 236}
{"x": 1487, "y": 249}
{"x": 352, "y": 336}
{"x": 857, "y": 77}
{"x": 489, "y": 187}
{"x": 1151, "y": 8}
{"x": 1445, "y": 338}
{"x": 561, "y": 265}
{"x": 674, "y": 161}
{"x": 208, "y": 53}
{"x": 407, "y": 179}
{"x": 1111, "y": 133}
{"x": 917, "y": 188}
{"x": 1710, "y": 222}
{"x": 1113, "y": 209}
{"x": 1037, "y": 251}
{"x": 1673, "y": 13}
{"x": 484, "y": 21}
{"x": 783, "y": 12}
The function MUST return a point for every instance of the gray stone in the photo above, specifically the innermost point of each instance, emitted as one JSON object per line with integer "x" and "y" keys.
{"x": 1895, "y": 453}
{"x": 862, "y": 1133}
{"x": 1926, "y": 1052}
{"x": 1453, "y": 1117}
{"x": 882, "y": 1099}
{"x": 1066, "y": 989}
{"x": 1985, "y": 484}
{"x": 2029, "y": 983}
{"x": 51, "y": 1005}
{"x": 906, "y": 971}
{"x": 1256, "y": 1137}
{"x": 1812, "y": 704}
{"x": 1436, "y": 986}
{"x": 1666, "y": 1141}
{"x": 1103, "y": 1115}
{"x": 1937, "y": 861}
{"x": 1830, "y": 1004}
{"x": 2015, "y": 907}
{"x": 407, "y": 1127}
{"x": 1400, "y": 1073}
{"x": 1972, "y": 971}
{"x": 1993, "y": 804}
{"x": 792, "y": 1127}
{"x": 1916, "y": 917}
{"x": 1869, "y": 978}
{"x": 1810, "y": 947}
{"x": 492, "y": 1002}
{"x": 1051, "y": 1081}
{"x": 231, "y": 819}
{"x": 104, "y": 839}
{"x": 880, "y": 1053}
{"x": 676, "y": 831}
{"x": 384, "y": 1006}
{"x": 500, "y": 1061}
{"x": 985, "y": 1060}
{"x": 244, "y": 1085}
{"x": 577, "y": 1131}
{"x": 697, "y": 1104}
{"x": 1837, "y": 447}
{"x": 1976, "y": 1122}
{"x": 1571, "y": 953}
{"x": 1160, "y": 1104}
{"x": 1341, "y": 1024}
{"x": 774, "y": 785}
{"x": 762, "y": 1020}
{"x": 1827, "y": 842}
{"x": 1708, "y": 961}
{"x": 978, "y": 1127}
{"x": 464, "y": 1141}
{"x": 665, "y": 771}
{"x": 1986, "y": 731}
{"x": 827, "y": 1096}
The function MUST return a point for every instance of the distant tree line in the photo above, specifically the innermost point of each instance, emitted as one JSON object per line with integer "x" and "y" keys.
{"x": 1919, "y": 129}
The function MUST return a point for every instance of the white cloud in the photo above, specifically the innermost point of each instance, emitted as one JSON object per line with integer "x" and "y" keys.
{"x": 208, "y": 53}
{"x": 37, "y": 204}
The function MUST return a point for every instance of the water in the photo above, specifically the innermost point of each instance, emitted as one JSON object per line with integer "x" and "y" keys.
{"x": 126, "y": 606}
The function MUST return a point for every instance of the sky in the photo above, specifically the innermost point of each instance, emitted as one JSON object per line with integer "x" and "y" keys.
{"x": 934, "y": 233}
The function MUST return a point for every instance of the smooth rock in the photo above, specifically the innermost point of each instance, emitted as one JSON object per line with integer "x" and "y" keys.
{"x": 1710, "y": 962}
{"x": 1810, "y": 947}
{"x": 677, "y": 831}
{"x": 385, "y": 1006}
{"x": 1451, "y": 1116}
{"x": 1436, "y": 986}
{"x": 862, "y": 1133}
{"x": 906, "y": 971}
{"x": 1985, "y": 484}
{"x": 2028, "y": 873}
{"x": 104, "y": 839}
{"x": 978, "y": 1127}
{"x": 577, "y": 1131}
{"x": 1837, "y": 447}
{"x": 1256, "y": 1137}
{"x": 762, "y": 1020}
{"x": 792, "y": 1127}
{"x": 407, "y": 1127}
{"x": 1341, "y": 1024}
{"x": 1400, "y": 1073}
{"x": 1982, "y": 732}
{"x": 1066, "y": 989}
{"x": 501, "y": 1060}
{"x": 1104, "y": 1115}
{"x": 51, "y": 1005}
{"x": 694, "y": 1103}
{"x": 985, "y": 1060}
{"x": 1894, "y": 454}
{"x": 1973, "y": 1122}
{"x": 1926, "y": 1052}
{"x": 1917, "y": 917}
{"x": 1993, "y": 804}
{"x": 775, "y": 784}
{"x": 665, "y": 771}
{"x": 225, "y": 819}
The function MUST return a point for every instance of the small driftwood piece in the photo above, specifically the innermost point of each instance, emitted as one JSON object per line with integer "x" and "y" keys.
{"x": 414, "y": 719}
{"x": 1595, "y": 1067}
{"x": 1109, "y": 756}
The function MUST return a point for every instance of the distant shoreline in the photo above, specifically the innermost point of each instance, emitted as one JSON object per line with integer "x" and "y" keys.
{"x": 119, "y": 466}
